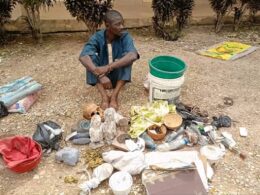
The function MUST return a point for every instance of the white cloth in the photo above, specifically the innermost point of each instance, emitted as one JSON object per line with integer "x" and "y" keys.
{"x": 100, "y": 173}
{"x": 131, "y": 162}
{"x": 110, "y": 53}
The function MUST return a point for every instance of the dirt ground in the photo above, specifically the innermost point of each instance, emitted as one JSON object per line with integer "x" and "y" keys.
{"x": 55, "y": 65}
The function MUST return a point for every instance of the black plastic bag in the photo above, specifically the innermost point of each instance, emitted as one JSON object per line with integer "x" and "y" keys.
{"x": 3, "y": 110}
{"x": 222, "y": 121}
{"x": 42, "y": 136}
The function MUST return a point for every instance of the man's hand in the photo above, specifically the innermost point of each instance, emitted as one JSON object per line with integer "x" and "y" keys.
{"x": 105, "y": 81}
{"x": 101, "y": 70}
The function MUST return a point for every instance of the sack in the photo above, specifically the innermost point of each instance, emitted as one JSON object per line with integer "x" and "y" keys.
{"x": 45, "y": 137}
{"x": 23, "y": 105}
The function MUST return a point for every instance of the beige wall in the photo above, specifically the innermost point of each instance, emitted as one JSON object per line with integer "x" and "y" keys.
{"x": 129, "y": 8}
{"x": 136, "y": 13}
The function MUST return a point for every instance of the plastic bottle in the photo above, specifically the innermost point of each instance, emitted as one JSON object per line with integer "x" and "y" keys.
{"x": 172, "y": 136}
{"x": 174, "y": 145}
{"x": 149, "y": 143}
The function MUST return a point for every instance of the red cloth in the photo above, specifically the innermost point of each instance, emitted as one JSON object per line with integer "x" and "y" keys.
{"x": 20, "y": 153}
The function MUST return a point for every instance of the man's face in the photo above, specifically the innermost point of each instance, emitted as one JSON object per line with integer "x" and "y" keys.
{"x": 116, "y": 26}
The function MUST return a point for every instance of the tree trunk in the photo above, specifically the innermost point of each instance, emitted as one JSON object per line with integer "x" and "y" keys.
{"x": 33, "y": 15}
{"x": 219, "y": 23}
{"x": 2, "y": 34}
{"x": 238, "y": 16}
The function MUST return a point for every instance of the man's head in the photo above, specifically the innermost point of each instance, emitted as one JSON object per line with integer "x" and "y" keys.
{"x": 114, "y": 22}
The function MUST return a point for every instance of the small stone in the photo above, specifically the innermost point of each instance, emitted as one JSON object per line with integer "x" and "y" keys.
{"x": 36, "y": 177}
{"x": 38, "y": 114}
{"x": 42, "y": 172}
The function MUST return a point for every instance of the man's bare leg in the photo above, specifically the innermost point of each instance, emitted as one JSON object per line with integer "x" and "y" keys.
{"x": 105, "y": 99}
{"x": 114, "y": 96}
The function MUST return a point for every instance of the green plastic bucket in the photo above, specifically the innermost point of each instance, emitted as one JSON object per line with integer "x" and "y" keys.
{"x": 167, "y": 67}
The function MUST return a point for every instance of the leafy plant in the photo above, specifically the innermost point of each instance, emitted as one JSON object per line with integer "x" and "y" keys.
{"x": 6, "y": 8}
{"x": 91, "y": 12}
{"x": 221, "y": 8}
{"x": 239, "y": 12}
{"x": 165, "y": 11}
{"x": 182, "y": 10}
{"x": 254, "y": 7}
{"x": 32, "y": 8}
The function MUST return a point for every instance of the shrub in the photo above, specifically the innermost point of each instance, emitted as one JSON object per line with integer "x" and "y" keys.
{"x": 221, "y": 8}
{"x": 239, "y": 12}
{"x": 182, "y": 10}
{"x": 6, "y": 8}
{"x": 165, "y": 11}
{"x": 91, "y": 12}
{"x": 32, "y": 8}
{"x": 254, "y": 7}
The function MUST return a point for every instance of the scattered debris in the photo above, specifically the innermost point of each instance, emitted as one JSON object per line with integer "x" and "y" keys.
{"x": 93, "y": 157}
{"x": 70, "y": 179}
{"x": 100, "y": 173}
{"x": 48, "y": 134}
{"x": 226, "y": 142}
{"x": 221, "y": 121}
{"x": 69, "y": 156}
{"x": 157, "y": 132}
{"x": 228, "y": 101}
{"x": 212, "y": 152}
{"x": 243, "y": 131}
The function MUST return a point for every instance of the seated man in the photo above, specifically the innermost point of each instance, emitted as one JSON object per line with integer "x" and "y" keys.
{"x": 108, "y": 57}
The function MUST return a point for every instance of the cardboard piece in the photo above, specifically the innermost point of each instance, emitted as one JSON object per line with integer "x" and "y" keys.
{"x": 186, "y": 182}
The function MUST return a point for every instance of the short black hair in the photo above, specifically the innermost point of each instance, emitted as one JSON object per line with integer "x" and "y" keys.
{"x": 111, "y": 15}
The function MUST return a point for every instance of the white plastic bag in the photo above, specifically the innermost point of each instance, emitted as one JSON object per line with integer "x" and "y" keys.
{"x": 131, "y": 162}
{"x": 100, "y": 173}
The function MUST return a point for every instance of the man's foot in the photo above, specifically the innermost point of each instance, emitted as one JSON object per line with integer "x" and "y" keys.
{"x": 104, "y": 104}
{"x": 114, "y": 103}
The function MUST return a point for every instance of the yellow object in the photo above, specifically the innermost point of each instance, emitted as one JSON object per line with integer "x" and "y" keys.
{"x": 172, "y": 121}
{"x": 226, "y": 50}
{"x": 143, "y": 117}
{"x": 70, "y": 179}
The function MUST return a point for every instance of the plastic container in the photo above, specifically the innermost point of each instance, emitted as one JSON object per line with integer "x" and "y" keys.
{"x": 167, "y": 67}
{"x": 212, "y": 152}
{"x": 165, "y": 89}
{"x": 149, "y": 143}
{"x": 172, "y": 121}
{"x": 151, "y": 131}
{"x": 29, "y": 165}
{"x": 166, "y": 78}
{"x": 174, "y": 135}
{"x": 20, "y": 154}
{"x": 174, "y": 145}
{"x": 121, "y": 183}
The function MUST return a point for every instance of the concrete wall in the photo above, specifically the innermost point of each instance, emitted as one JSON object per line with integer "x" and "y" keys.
{"x": 137, "y": 13}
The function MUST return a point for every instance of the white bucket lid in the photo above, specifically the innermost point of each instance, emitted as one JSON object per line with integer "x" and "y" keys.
{"x": 121, "y": 181}
{"x": 212, "y": 152}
